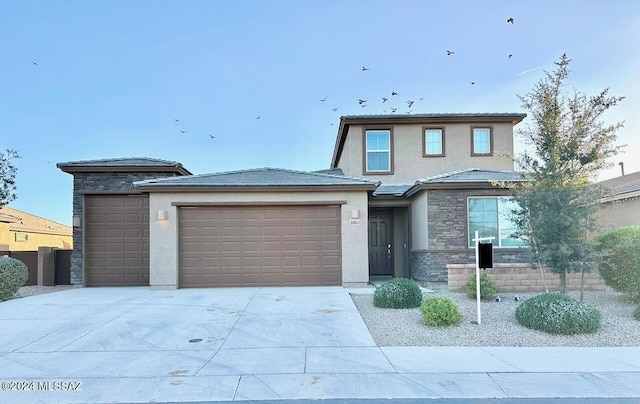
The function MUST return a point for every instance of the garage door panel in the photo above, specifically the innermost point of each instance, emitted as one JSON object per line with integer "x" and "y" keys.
{"x": 259, "y": 246}
{"x": 116, "y": 240}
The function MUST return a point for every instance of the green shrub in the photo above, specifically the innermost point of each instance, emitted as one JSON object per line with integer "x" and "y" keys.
{"x": 636, "y": 313}
{"x": 557, "y": 313}
{"x": 440, "y": 311}
{"x": 398, "y": 293}
{"x": 13, "y": 275}
{"x": 618, "y": 260}
{"x": 488, "y": 288}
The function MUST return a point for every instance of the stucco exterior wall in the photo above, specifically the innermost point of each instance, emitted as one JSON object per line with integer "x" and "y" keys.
{"x": 616, "y": 214}
{"x": 409, "y": 164}
{"x": 33, "y": 241}
{"x": 164, "y": 242}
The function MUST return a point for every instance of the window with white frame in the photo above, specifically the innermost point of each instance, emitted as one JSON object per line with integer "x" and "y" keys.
{"x": 493, "y": 217}
{"x": 378, "y": 150}
{"x": 433, "y": 142}
{"x": 481, "y": 142}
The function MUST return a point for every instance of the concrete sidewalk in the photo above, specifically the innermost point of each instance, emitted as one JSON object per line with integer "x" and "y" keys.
{"x": 139, "y": 345}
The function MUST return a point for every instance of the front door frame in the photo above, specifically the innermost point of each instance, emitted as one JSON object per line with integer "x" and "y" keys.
{"x": 380, "y": 244}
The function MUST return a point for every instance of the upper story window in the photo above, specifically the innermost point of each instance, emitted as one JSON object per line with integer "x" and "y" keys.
{"x": 378, "y": 155}
{"x": 492, "y": 217}
{"x": 433, "y": 142}
{"x": 481, "y": 141}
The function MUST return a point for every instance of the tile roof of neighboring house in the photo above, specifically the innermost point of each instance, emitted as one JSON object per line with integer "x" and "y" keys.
{"x": 332, "y": 171}
{"x": 469, "y": 178}
{"x": 348, "y": 120}
{"x": 259, "y": 177}
{"x": 25, "y": 222}
{"x": 393, "y": 190}
{"x": 622, "y": 187}
{"x": 123, "y": 164}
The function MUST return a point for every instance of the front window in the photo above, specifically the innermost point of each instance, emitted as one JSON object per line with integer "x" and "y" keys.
{"x": 378, "y": 146}
{"x": 433, "y": 142}
{"x": 492, "y": 217}
{"x": 481, "y": 141}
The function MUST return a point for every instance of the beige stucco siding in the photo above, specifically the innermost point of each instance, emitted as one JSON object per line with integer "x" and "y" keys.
{"x": 620, "y": 213}
{"x": 28, "y": 240}
{"x": 419, "y": 222}
{"x": 409, "y": 164}
{"x": 164, "y": 235}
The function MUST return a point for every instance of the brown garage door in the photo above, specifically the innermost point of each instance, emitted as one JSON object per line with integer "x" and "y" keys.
{"x": 260, "y": 246}
{"x": 116, "y": 240}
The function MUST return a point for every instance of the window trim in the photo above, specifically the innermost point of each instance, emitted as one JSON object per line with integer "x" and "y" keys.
{"x": 365, "y": 129}
{"x": 424, "y": 141}
{"x": 469, "y": 238}
{"x": 473, "y": 153}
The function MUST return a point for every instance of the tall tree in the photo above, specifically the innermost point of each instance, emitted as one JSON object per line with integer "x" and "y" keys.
{"x": 8, "y": 172}
{"x": 569, "y": 144}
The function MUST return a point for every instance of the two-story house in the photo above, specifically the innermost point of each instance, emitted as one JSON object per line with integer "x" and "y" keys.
{"x": 403, "y": 197}
{"x": 437, "y": 175}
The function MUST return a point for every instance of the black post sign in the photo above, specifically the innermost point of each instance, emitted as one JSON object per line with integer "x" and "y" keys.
{"x": 485, "y": 253}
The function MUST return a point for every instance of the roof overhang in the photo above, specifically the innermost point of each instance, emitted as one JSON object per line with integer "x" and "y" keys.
{"x": 150, "y": 187}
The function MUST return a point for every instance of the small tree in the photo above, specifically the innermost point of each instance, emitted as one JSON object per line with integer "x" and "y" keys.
{"x": 8, "y": 176}
{"x": 570, "y": 144}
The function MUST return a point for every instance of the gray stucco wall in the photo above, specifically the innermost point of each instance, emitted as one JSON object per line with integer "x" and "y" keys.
{"x": 99, "y": 183}
{"x": 447, "y": 236}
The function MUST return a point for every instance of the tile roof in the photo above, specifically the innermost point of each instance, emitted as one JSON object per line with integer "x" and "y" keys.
{"x": 473, "y": 175}
{"x": 122, "y": 163}
{"x": 393, "y": 190}
{"x": 449, "y": 115}
{"x": 622, "y": 185}
{"x": 28, "y": 223}
{"x": 259, "y": 177}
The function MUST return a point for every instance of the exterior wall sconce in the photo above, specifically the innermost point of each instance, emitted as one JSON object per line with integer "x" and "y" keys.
{"x": 162, "y": 215}
{"x": 77, "y": 221}
{"x": 355, "y": 214}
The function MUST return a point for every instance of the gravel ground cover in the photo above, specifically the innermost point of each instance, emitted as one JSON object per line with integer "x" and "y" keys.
{"x": 405, "y": 327}
{"x": 38, "y": 290}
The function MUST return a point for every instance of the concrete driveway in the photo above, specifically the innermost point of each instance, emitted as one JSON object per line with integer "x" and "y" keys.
{"x": 133, "y": 345}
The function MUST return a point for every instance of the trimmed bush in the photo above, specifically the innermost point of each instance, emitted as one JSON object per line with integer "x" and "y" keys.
{"x": 636, "y": 313}
{"x": 619, "y": 260}
{"x": 557, "y": 313}
{"x": 398, "y": 293}
{"x": 488, "y": 287}
{"x": 13, "y": 275}
{"x": 440, "y": 311}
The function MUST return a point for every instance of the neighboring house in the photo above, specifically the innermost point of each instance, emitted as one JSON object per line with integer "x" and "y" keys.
{"x": 621, "y": 207}
{"x": 402, "y": 197}
{"x": 20, "y": 231}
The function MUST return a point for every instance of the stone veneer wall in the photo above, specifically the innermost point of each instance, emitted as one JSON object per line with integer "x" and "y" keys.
{"x": 521, "y": 278}
{"x": 99, "y": 183}
{"x": 447, "y": 235}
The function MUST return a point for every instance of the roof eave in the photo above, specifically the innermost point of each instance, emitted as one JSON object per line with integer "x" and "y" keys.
{"x": 252, "y": 188}
{"x": 71, "y": 169}
{"x": 457, "y": 185}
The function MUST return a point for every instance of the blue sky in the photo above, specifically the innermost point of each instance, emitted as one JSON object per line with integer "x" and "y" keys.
{"x": 113, "y": 76}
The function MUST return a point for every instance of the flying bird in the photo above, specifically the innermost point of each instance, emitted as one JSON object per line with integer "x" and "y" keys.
{"x": 212, "y": 137}
{"x": 510, "y": 20}
{"x": 183, "y": 131}
{"x": 410, "y": 103}
{"x": 384, "y": 99}
{"x": 421, "y": 98}
{"x": 258, "y": 117}
{"x": 449, "y": 53}
{"x": 363, "y": 105}
{"x": 393, "y": 110}
{"x": 177, "y": 120}
{"x": 473, "y": 82}
{"x": 364, "y": 69}
{"x": 394, "y": 93}
{"x": 34, "y": 63}
{"x": 334, "y": 109}
{"x": 510, "y": 55}
{"x": 361, "y": 101}
{"x": 324, "y": 99}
